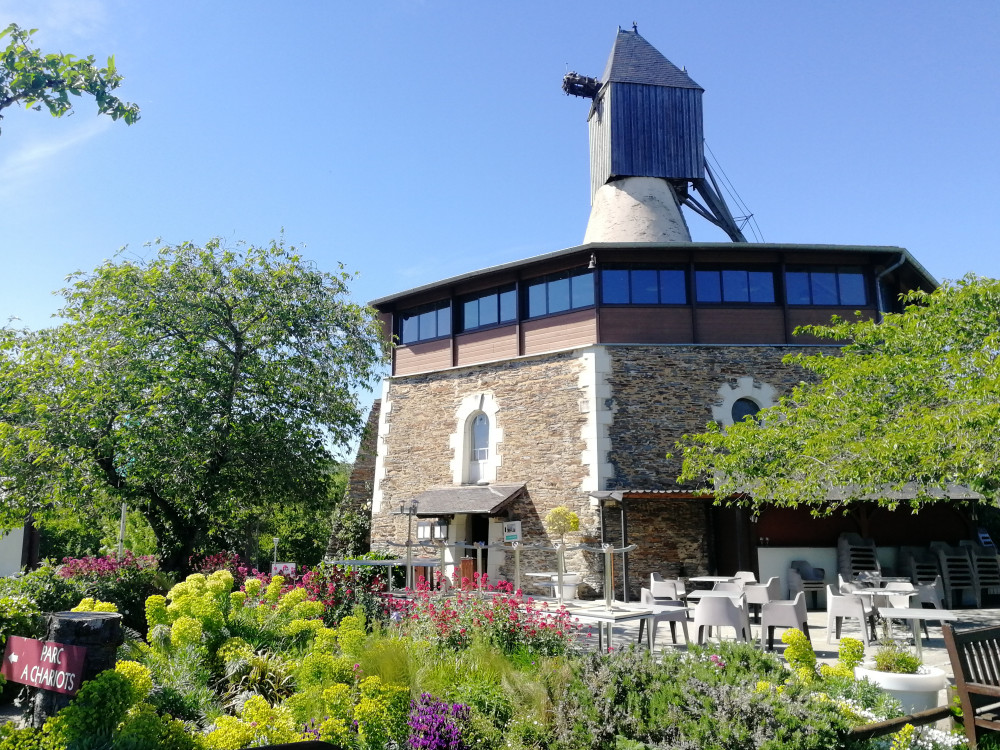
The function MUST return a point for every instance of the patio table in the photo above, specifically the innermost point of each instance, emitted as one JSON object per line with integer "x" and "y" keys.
{"x": 915, "y": 615}
{"x": 606, "y": 619}
{"x": 702, "y": 593}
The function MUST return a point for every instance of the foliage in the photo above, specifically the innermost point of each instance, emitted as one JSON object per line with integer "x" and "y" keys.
{"x": 560, "y": 521}
{"x": 436, "y": 725}
{"x": 342, "y": 589}
{"x": 36, "y": 80}
{"x": 851, "y": 652}
{"x": 508, "y": 620}
{"x": 45, "y": 587}
{"x": 892, "y": 656}
{"x": 258, "y": 724}
{"x": 909, "y": 404}
{"x": 126, "y": 582}
{"x": 201, "y": 387}
{"x": 18, "y": 616}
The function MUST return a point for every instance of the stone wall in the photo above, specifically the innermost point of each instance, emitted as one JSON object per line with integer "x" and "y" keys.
{"x": 539, "y": 412}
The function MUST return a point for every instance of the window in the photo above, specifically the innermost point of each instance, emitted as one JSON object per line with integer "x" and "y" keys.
{"x": 491, "y": 308}
{"x": 743, "y": 408}
{"x": 826, "y": 285}
{"x": 425, "y": 322}
{"x": 479, "y": 445}
{"x": 559, "y": 292}
{"x": 643, "y": 286}
{"x": 734, "y": 286}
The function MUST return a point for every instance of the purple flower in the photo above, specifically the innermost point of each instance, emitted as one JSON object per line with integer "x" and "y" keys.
{"x": 436, "y": 725}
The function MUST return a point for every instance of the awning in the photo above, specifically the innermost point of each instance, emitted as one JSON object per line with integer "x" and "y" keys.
{"x": 447, "y": 501}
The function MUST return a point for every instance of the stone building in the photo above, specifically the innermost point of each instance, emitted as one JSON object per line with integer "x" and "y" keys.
{"x": 567, "y": 378}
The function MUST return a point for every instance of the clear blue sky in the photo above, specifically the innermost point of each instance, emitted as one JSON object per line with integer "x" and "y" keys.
{"x": 415, "y": 140}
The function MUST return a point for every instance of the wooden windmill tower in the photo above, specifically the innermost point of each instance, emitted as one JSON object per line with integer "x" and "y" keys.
{"x": 646, "y": 148}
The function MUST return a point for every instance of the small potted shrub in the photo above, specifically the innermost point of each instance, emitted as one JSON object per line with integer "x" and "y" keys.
{"x": 898, "y": 671}
{"x": 558, "y": 522}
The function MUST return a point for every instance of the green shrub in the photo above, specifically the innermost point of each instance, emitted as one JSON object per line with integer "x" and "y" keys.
{"x": 49, "y": 591}
{"x": 891, "y": 656}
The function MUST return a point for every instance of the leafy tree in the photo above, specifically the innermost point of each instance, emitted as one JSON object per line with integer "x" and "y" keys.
{"x": 37, "y": 80}
{"x": 202, "y": 387}
{"x": 910, "y": 405}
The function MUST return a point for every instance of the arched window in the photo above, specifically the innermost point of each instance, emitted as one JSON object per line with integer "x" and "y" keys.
{"x": 743, "y": 408}
{"x": 479, "y": 446}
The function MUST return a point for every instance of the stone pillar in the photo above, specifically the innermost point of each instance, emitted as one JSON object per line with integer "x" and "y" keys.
{"x": 99, "y": 632}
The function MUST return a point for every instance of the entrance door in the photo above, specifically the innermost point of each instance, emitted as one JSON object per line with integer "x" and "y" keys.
{"x": 479, "y": 531}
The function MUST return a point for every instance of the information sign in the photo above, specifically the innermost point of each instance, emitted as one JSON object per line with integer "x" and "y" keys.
{"x": 282, "y": 569}
{"x": 512, "y": 531}
{"x": 44, "y": 664}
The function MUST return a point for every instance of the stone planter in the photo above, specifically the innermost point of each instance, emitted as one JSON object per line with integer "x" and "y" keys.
{"x": 570, "y": 583}
{"x": 916, "y": 692}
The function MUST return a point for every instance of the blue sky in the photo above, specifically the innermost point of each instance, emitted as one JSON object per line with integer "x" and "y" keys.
{"x": 416, "y": 140}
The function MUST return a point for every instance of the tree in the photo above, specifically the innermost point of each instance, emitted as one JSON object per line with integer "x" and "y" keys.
{"x": 28, "y": 76}
{"x": 201, "y": 387}
{"x": 909, "y": 408}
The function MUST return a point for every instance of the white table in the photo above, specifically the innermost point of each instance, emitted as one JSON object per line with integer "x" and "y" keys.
{"x": 873, "y": 595}
{"x": 712, "y": 579}
{"x": 915, "y": 615}
{"x": 606, "y": 619}
{"x": 702, "y": 593}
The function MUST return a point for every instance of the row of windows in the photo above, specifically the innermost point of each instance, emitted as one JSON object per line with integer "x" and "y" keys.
{"x": 570, "y": 290}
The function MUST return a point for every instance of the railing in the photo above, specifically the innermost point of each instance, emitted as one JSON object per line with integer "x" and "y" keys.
{"x": 516, "y": 548}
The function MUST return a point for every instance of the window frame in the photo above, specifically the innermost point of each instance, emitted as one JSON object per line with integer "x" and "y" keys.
{"x": 417, "y": 311}
{"x": 658, "y": 269}
{"x": 837, "y": 270}
{"x": 568, "y": 274}
{"x": 748, "y": 269}
{"x": 497, "y": 292}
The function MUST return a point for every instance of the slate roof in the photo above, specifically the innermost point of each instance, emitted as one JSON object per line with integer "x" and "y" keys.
{"x": 634, "y": 60}
{"x": 446, "y": 501}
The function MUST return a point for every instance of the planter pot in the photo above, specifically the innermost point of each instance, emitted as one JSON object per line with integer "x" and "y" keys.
{"x": 570, "y": 583}
{"x": 916, "y": 692}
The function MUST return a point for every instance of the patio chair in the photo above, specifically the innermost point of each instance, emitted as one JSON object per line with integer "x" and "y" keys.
{"x": 783, "y": 614}
{"x": 931, "y": 593}
{"x": 745, "y": 576}
{"x": 759, "y": 594}
{"x": 802, "y": 576}
{"x": 666, "y": 589}
{"x": 840, "y": 606}
{"x": 659, "y": 616}
{"x": 721, "y": 611}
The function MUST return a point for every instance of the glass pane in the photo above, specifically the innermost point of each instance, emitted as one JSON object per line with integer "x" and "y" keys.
{"x": 559, "y": 295}
{"x": 444, "y": 321}
{"x": 734, "y": 286}
{"x": 673, "y": 288}
{"x": 470, "y": 314}
{"x": 852, "y": 288}
{"x": 797, "y": 287}
{"x": 480, "y": 433}
{"x": 428, "y": 324}
{"x": 824, "y": 288}
{"x": 645, "y": 287}
{"x": 761, "y": 286}
{"x": 614, "y": 287}
{"x": 488, "y": 310}
{"x": 583, "y": 289}
{"x": 410, "y": 329}
{"x": 536, "y": 299}
{"x": 743, "y": 408}
{"x": 708, "y": 286}
{"x": 508, "y": 305}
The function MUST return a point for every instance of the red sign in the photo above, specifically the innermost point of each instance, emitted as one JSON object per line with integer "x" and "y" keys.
{"x": 44, "y": 664}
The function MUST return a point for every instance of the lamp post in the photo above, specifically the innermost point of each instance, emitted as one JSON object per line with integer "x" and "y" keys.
{"x": 275, "y": 540}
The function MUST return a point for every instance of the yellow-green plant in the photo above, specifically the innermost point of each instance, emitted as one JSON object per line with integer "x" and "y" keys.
{"x": 89, "y": 604}
{"x": 851, "y": 652}
{"x": 560, "y": 521}
{"x": 258, "y": 724}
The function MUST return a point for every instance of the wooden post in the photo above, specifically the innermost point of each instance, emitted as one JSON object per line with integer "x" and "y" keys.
{"x": 99, "y": 632}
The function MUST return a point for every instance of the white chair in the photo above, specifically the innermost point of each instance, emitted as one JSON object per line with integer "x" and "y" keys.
{"x": 931, "y": 593}
{"x": 759, "y": 594}
{"x": 783, "y": 614}
{"x": 745, "y": 576}
{"x": 667, "y": 589}
{"x": 840, "y": 606}
{"x": 659, "y": 615}
{"x": 722, "y": 611}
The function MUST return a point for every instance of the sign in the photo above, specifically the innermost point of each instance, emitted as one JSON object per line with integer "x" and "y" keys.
{"x": 512, "y": 531}
{"x": 44, "y": 664}
{"x": 282, "y": 569}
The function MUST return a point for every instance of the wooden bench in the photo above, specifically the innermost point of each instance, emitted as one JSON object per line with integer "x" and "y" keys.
{"x": 975, "y": 662}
